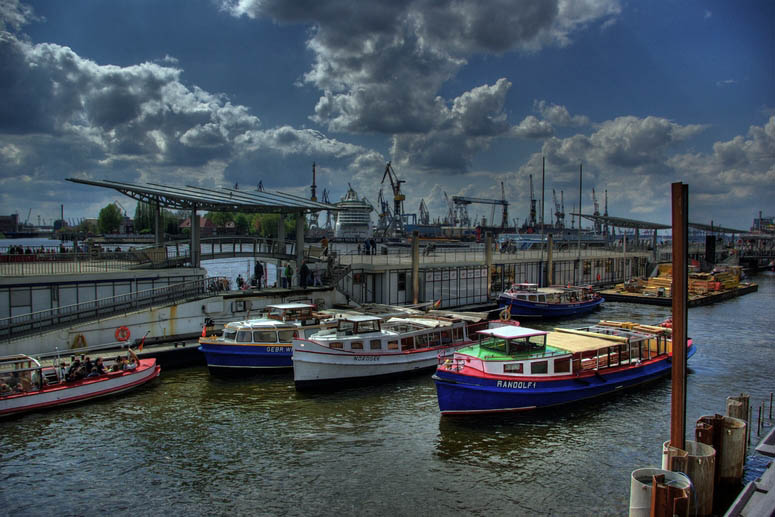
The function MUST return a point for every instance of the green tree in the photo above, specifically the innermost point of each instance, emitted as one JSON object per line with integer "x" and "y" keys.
{"x": 109, "y": 219}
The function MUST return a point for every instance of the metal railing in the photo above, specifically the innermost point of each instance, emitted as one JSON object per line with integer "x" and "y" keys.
{"x": 69, "y": 262}
{"x": 34, "y": 322}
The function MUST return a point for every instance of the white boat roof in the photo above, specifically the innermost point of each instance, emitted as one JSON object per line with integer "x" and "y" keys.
{"x": 289, "y": 306}
{"x": 360, "y": 318}
{"x": 512, "y": 332}
{"x": 260, "y": 323}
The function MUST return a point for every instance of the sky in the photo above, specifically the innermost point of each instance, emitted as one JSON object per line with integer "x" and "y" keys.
{"x": 460, "y": 96}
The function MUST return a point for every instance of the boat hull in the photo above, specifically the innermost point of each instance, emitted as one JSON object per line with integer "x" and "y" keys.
{"x": 87, "y": 389}
{"x": 463, "y": 394}
{"x": 527, "y": 309}
{"x": 315, "y": 365}
{"x": 234, "y": 359}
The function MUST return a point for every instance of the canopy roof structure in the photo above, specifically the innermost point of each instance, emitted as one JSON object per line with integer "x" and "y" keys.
{"x": 215, "y": 200}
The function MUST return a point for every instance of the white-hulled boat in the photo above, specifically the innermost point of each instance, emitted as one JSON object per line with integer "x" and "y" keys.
{"x": 27, "y": 385}
{"x": 365, "y": 347}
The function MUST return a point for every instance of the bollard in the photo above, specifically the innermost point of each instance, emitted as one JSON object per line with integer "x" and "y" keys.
{"x": 728, "y": 436}
{"x": 673, "y": 485}
{"x": 698, "y": 463}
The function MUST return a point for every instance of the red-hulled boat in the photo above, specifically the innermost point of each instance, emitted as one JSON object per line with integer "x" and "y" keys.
{"x": 26, "y": 385}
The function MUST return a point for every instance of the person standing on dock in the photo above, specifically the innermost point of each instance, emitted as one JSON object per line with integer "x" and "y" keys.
{"x": 303, "y": 274}
{"x": 288, "y": 276}
{"x": 258, "y": 271}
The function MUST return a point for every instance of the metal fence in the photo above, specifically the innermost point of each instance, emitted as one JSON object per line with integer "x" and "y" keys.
{"x": 66, "y": 315}
{"x": 70, "y": 262}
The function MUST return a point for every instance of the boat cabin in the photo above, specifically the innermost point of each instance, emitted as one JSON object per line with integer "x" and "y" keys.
{"x": 358, "y": 324}
{"x": 511, "y": 340}
{"x": 301, "y": 312}
{"x": 258, "y": 331}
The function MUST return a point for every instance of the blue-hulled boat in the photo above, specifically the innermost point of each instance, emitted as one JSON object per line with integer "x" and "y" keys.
{"x": 517, "y": 369}
{"x": 531, "y": 301}
{"x": 261, "y": 343}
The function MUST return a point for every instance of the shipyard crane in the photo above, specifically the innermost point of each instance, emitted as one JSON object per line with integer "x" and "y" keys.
{"x": 465, "y": 201}
{"x": 451, "y": 220}
{"x": 596, "y": 213}
{"x": 605, "y": 226}
{"x": 531, "y": 220}
{"x": 396, "y": 222}
{"x": 329, "y": 227}
{"x": 505, "y": 213}
{"x": 559, "y": 213}
{"x": 384, "y": 216}
{"x": 425, "y": 216}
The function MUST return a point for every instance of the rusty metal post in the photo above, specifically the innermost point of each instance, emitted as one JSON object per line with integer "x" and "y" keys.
{"x": 680, "y": 195}
{"x": 415, "y": 267}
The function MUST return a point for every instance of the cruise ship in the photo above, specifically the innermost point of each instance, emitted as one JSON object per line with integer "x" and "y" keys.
{"x": 353, "y": 222}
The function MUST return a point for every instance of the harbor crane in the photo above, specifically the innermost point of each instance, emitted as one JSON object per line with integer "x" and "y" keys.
{"x": 596, "y": 213}
{"x": 605, "y": 226}
{"x": 425, "y": 216}
{"x": 464, "y": 201}
{"x": 384, "y": 216}
{"x": 451, "y": 218}
{"x": 559, "y": 212}
{"x": 396, "y": 221}
{"x": 531, "y": 220}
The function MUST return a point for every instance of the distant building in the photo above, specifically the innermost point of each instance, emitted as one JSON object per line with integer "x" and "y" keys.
{"x": 206, "y": 227}
{"x": 9, "y": 223}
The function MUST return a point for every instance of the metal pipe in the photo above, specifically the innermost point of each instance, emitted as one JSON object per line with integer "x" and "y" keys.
{"x": 578, "y": 278}
{"x": 680, "y": 215}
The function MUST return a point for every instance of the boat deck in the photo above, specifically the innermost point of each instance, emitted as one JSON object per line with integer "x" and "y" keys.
{"x": 494, "y": 353}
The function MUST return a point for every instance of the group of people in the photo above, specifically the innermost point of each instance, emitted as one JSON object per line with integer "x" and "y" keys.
{"x": 307, "y": 277}
{"x": 369, "y": 247}
{"x": 85, "y": 368}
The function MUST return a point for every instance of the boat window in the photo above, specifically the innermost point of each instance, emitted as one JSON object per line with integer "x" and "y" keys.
{"x": 286, "y": 336}
{"x": 446, "y": 337}
{"x": 522, "y": 297}
{"x": 539, "y": 367}
{"x": 562, "y": 365}
{"x": 335, "y": 344}
{"x": 407, "y": 343}
{"x": 375, "y": 344}
{"x": 264, "y": 336}
{"x": 458, "y": 333}
{"x": 356, "y": 345}
{"x": 244, "y": 336}
{"x": 229, "y": 334}
{"x": 532, "y": 298}
{"x": 434, "y": 338}
{"x": 368, "y": 326}
{"x": 513, "y": 368}
{"x": 542, "y": 298}
{"x": 422, "y": 340}
{"x": 392, "y": 345}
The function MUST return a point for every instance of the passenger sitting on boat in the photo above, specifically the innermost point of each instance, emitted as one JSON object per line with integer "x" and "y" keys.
{"x": 5, "y": 389}
{"x": 99, "y": 366}
{"x": 93, "y": 372}
{"x": 74, "y": 366}
{"x": 88, "y": 365}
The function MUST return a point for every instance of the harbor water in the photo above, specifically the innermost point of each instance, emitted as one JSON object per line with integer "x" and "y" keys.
{"x": 190, "y": 444}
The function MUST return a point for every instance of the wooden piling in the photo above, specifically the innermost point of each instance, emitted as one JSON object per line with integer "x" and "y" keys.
{"x": 680, "y": 293}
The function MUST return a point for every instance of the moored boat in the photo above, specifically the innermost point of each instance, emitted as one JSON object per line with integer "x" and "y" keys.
{"x": 518, "y": 368}
{"x": 530, "y": 301}
{"x": 364, "y": 347}
{"x": 27, "y": 385}
{"x": 261, "y": 343}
